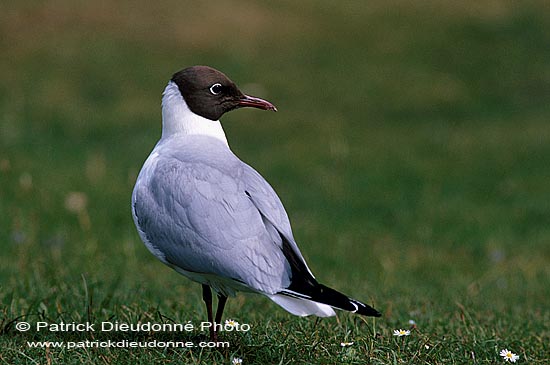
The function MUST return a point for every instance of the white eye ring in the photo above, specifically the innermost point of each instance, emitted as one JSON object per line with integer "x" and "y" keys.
{"x": 216, "y": 89}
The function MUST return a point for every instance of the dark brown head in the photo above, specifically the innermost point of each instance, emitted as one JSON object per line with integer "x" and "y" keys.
{"x": 210, "y": 94}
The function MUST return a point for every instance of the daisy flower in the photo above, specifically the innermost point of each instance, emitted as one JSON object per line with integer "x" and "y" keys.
{"x": 401, "y": 332}
{"x": 236, "y": 361}
{"x": 231, "y": 323}
{"x": 507, "y": 355}
{"x": 346, "y": 344}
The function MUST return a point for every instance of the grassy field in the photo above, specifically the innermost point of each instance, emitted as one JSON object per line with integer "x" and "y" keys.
{"x": 411, "y": 150}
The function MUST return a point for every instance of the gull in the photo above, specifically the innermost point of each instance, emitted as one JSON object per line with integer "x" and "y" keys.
{"x": 211, "y": 217}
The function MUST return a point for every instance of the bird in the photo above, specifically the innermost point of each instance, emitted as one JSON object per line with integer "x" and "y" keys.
{"x": 214, "y": 219}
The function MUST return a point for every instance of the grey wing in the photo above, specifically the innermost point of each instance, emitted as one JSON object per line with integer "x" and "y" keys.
{"x": 225, "y": 221}
{"x": 274, "y": 215}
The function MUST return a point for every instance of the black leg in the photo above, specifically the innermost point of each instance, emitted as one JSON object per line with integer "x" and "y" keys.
{"x": 221, "y": 305}
{"x": 207, "y": 297}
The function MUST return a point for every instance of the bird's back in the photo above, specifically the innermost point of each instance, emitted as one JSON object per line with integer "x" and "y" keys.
{"x": 196, "y": 207}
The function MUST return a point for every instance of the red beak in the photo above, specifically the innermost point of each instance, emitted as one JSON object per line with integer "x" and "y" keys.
{"x": 250, "y": 101}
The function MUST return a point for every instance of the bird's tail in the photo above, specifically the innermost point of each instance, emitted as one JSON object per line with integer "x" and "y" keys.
{"x": 302, "y": 307}
{"x": 304, "y": 287}
{"x": 324, "y": 295}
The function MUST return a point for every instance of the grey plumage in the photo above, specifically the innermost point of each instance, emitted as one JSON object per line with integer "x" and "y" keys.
{"x": 208, "y": 212}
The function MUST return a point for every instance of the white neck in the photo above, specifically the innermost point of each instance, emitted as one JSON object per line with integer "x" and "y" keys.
{"x": 177, "y": 118}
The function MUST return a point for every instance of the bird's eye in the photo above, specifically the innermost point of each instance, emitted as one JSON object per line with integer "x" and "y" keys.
{"x": 216, "y": 89}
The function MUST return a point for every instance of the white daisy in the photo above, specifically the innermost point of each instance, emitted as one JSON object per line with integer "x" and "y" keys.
{"x": 231, "y": 323}
{"x": 401, "y": 332}
{"x": 507, "y": 355}
{"x": 236, "y": 361}
{"x": 346, "y": 344}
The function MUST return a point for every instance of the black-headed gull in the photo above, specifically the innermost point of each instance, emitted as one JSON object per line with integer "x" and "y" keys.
{"x": 214, "y": 219}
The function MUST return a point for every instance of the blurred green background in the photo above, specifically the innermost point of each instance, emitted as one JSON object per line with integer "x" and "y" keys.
{"x": 411, "y": 150}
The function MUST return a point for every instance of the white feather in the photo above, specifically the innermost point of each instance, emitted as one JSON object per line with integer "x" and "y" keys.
{"x": 302, "y": 307}
{"x": 178, "y": 118}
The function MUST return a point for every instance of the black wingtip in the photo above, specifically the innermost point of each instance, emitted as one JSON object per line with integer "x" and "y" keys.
{"x": 341, "y": 301}
{"x": 303, "y": 285}
{"x": 365, "y": 309}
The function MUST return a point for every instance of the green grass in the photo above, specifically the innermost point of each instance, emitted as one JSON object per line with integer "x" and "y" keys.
{"x": 411, "y": 150}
